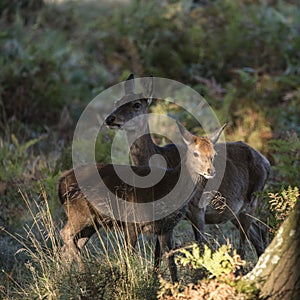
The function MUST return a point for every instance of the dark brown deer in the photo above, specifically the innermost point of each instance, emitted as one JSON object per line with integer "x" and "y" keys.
{"x": 84, "y": 216}
{"x": 245, "y": 174}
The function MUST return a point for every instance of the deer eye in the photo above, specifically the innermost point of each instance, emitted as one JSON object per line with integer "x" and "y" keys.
{"x": 137, "y": 105}
{"x": 196, "y": 154}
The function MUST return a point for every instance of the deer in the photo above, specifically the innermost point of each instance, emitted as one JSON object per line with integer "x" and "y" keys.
{"x": 84, "y": 217}
{"x": 246, "y": 170}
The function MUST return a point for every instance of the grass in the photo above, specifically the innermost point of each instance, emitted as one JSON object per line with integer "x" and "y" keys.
{"x": 242, "y": 56}
{"x": 110, "y": 270}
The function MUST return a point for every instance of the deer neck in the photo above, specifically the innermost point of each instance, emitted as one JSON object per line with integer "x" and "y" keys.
{"x": 189, "y": 180}
{"x": 141, "y": 145}
{"x": 189, "y": 167}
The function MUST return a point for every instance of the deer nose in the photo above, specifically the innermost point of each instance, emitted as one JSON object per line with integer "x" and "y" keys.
{"x": 110, "y": 120}
{"x": 211, "y": 172}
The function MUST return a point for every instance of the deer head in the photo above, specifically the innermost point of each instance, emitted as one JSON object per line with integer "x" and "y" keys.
{"x": 200, "y": 151}
{"x": 131, "y": 106}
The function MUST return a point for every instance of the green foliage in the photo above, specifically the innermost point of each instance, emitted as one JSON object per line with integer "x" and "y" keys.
{"x": 41, "y": 72}
{"x": 217, "y": 263}
{"x": 31, "y": 82}
{"x": 281, "y": 204}
{"x": 222, "y": 282}
{"x": 19, "y": 6}
{"x": 152, "y": 37}
{"x": 50, "y": 62}
{"x": 64, "y": 162}
{"x": 14, "y": 159}
{"x": 286, "y": 153}
{"x": 21, "y": 168}
{"x": 103, "y": 148}
{"x": 250, "y": 35}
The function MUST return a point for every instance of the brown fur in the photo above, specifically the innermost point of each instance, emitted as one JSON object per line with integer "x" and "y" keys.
{"x": 84, "y": 217}
{"x": 246, "y": 173}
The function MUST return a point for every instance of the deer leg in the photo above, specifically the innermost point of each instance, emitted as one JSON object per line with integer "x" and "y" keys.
{"x": 258, "y": 232}
{"x": 197, "y": 217}
{"x": 165, "y": 241}
{"x": 85, "y": 235}
{"x": 131, "y": 236}
{"x": 258, "y": 237}
{"x": 70, "y": 250}
{"x": 242, "y": 237}
{"x": 78, "y": 230}
{"x": 244, "y": 227}
{"x": 255, "y": 232}
{"x": 157, "y": 255}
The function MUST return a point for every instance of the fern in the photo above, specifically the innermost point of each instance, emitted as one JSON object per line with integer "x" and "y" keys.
{"x": 281, "y": 204}
{"x": 218, "y": 263}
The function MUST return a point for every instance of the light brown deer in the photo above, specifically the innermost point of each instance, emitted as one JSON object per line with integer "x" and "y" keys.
{"x": 245, "y": 174}
{"x": 84, "y": 216}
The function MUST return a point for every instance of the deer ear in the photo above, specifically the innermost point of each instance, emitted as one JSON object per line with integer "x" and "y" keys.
{"x": 215, "y": 136}
{"x": 129, "y": 85}
{"x": 147, "y": 86}
{"x": 186, "y": 135}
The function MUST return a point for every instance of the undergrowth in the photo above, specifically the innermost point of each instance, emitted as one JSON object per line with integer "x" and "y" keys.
{"x": 110, "y": 270}
{"x": 281, "y": 204}
{"x": 221, "y": 281}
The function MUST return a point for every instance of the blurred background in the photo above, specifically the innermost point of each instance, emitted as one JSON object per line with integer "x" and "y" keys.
{"x": 242, "y": 56}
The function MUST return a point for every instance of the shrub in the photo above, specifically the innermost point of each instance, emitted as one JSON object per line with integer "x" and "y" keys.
{"x": 286, "y": 154}
{"x": 222, "y": 284}
{"x": 281, "y": 204}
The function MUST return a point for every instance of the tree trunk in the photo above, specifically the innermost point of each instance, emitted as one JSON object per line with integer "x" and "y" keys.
{"x": 277, "y": 272}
